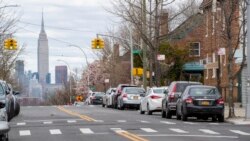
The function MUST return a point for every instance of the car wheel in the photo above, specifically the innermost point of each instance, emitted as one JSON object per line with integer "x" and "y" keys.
{"x": 103, "y": 105}
{"x": 221, "y": 118}
{"x": 205, "y": 118}
{"x": 168, "y": 113}
{"x": 4, "y": 137}
{"x": 148, "y": 111}
{"x": 17, "y": 109}
{"x": 122, "y": 107}
{"x": 178, "y": 117}
{"x": 214, "y": 118}
{"x": 163, "y": 113}
{"x": 141, "y": 112}
{"x": 183, "y": 116}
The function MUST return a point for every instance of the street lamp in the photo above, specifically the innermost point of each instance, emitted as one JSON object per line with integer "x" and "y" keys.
{"x": 69, "y": 78}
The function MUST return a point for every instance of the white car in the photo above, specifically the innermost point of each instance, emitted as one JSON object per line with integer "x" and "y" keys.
{"x": 107, "y": 99}
{"x": 152, "y": 102}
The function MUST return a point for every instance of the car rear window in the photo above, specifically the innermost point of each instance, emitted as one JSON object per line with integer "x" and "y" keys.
{"x": 158, "y": 91}
{"x": 180, "y": 87}
{"x": 98, "y": 94}
{"x": 203, "y": 91}
{"x": 134, "y": 90}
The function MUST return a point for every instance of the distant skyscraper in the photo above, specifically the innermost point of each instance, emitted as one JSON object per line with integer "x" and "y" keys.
{"x": 61, "y": 74}
{"x": 43, "y": 55}
{"x": 19, "y": 68}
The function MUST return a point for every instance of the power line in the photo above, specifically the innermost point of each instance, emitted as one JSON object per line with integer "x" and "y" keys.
{"x": 60, "y": 28}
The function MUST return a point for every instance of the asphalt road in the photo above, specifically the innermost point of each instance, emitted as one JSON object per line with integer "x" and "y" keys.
{"x": 94, "y": 123}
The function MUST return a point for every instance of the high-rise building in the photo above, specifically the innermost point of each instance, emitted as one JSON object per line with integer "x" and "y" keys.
{"x": 61, "y": 74}
{"x": 19, "y": 68}
{"x": 43, "y": 55}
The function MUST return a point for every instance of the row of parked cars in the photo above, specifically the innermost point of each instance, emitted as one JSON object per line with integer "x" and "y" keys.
{"x": 9, "y": 108}
{"x": 182, "y": 99}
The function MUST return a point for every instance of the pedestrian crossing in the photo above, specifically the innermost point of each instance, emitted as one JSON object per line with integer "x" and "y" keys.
{"x": 171, "y": 131}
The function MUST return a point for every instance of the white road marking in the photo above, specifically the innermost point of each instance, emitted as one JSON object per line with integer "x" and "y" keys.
{"x": 191, "y": 123}
{"x": 207, "y": 131}
{"x": 91, "y": 106}
{"x": 71, "y": 121}
{"x": 149, "y": 130}
{"x": 240, "y": 132}
{"x": 47, "y": 122}
{"x": 178, "y": 130}
{"x": 55, "y": 131}
{"x": 167, "y": 122}
{"x": 99, "y": 121}
{"x": 24, "y": 133}
{"x": 86, "y": 131}
{"x": 187, "y": 135}
{"x": 21, "y": 123}
{"x": 116, "y": 129}
{"x": 143, "y": 121}
{"x": 214, "y": 123}
{"x": 121, "y": 121}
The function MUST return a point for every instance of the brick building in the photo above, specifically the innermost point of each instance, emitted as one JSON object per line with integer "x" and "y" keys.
{"x": 204, "y": 35}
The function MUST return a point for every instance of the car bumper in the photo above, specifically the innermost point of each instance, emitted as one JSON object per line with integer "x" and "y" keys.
{"x": 172, "y": 106}
{"x": 155, "y": 104}
{"x": 198, "y": 110}
{"x": 131, "y": 102}
{"x": 97, "y": 101}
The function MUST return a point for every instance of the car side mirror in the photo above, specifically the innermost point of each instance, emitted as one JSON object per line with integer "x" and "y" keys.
{"x": 166, "y": 92}
{"x": 177, "y": 96}
{"x": 7, "y": 92}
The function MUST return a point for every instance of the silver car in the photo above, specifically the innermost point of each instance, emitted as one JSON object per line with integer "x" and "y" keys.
{"x": 130, "y": 97}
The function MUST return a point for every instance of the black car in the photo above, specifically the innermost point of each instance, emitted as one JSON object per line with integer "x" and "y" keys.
{"x": 97, "y": 98}
{"x": 175, "y": 89}
{"x": 201, "y": 102}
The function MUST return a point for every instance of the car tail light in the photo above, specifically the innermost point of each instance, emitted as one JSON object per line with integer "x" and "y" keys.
{"x": 189, "y": 100}
{"x": 124, "y": 95}
{"x": 171, "y": 95}
{"x": 155, "y": 97}
{"x": 220, "y": 101}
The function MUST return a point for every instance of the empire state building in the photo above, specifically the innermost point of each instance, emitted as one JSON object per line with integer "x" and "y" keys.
{"x": 43, "y": 56}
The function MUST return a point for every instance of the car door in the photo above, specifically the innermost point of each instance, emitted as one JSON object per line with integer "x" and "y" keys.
{"x": 144, "y": 100}
{"x": 180, "y": 101}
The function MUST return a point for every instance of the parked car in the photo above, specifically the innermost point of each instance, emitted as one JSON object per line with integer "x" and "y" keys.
{"x": 175, "y": 89}
{"x": 97, "y": 98}
{"x": 6, "y": 96}
{"x": 152, "y": 102}
{"x": 201, "y": 102}
{"x": 130, "y": 97}
{"x": 110, "y": 98}
{"x": 89, "y": 98}
{"x": 14, "y": 95}
{"x": 4, "y": 125}
{"x": 107, "y": 97}
{"x": 118, "y": 92}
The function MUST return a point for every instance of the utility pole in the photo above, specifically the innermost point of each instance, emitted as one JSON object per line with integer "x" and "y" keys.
{"x": 144, "y": 46}
{"x": 131, "y": 55}
{"x": 248, "y": 62}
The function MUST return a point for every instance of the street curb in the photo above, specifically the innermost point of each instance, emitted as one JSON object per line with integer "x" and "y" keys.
{"x": 243, "y": 122}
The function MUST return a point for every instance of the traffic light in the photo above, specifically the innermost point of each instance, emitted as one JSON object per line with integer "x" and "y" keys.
{"x": 10, "y": 44}
{"x": 137, "y": 71}
{"x": 97, "y": 43}
{"x": 79, "y": 98}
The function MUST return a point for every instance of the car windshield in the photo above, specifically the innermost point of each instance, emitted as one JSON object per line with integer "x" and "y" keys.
{"x": 158, "y": 91}
{"x": 180, "y": 87}
{"x": 134, "y": 90}
{"x": 202, "y": 91}
{"x": 98, "y": 94}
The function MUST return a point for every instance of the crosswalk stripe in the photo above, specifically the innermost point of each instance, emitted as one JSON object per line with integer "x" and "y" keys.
{"x": 99, "y": 121}
{"x": 55, "y": 131}
{"x": 71, "y": 121}
{"x": 143, "y": 121}
{"x": 21, "y": 123}
{"x": 115, "y": 129}
{"x": 121, "y": 121}
{"x": 167, "y": 122}
{"x": 209, "y": 131}
{"x": 149, "y": 130}
{"x": 192, "y": 123}
{"x": 240, "y": 132}
{"x": 47, "y": 122}
{"x": 86, "y": 131}
{"x": 214, "y": 123}
{"x": 24, "y": 133}
{"x": 178, "y": 130}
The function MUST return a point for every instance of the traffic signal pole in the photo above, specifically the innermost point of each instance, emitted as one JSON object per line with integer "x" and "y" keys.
{"x": 248, "y": 62}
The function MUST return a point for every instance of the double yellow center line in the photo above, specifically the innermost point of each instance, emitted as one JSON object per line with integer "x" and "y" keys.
{"x": 84, "y": 117}
{"x": 130, "y": 136}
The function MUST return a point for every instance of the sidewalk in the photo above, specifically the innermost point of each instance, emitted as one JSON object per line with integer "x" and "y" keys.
{"x": 240, "y": 116}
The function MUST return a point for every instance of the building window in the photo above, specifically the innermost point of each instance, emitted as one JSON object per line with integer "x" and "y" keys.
{"x": 194, "y": 49}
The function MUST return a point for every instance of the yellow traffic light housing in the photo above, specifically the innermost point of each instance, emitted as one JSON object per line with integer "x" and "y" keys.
{"x": 93, "y": 44}
{"x": 101, "y": 44}
{"x": 97, "y": 43}
{"x": 10, "y": 44}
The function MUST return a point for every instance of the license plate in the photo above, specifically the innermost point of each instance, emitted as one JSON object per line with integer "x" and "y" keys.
{"x": 135, "y": 97}
{"x": 205, "y": 103}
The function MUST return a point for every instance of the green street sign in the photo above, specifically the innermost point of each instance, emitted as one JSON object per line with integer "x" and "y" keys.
{"x": 136, "y": 51}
